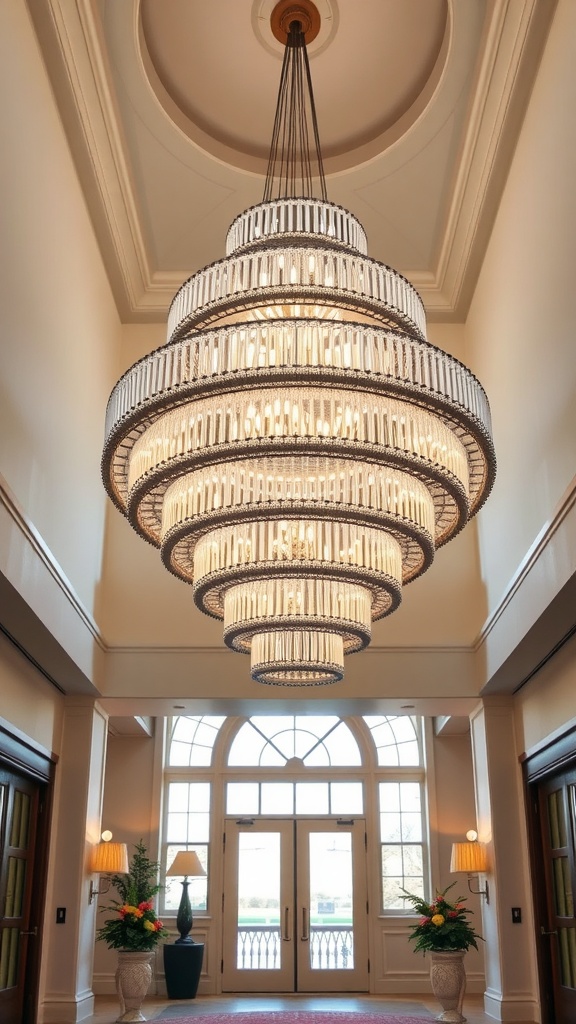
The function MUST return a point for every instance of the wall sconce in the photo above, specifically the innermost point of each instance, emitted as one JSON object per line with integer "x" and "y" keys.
{"x": 107, "y": 859}
{"x": 470, "y": 857}
{"x": 186, "y": 864}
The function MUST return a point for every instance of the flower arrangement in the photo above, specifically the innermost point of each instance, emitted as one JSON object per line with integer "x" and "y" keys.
{"x": 135, "y": 926}
{"x": 443, "y": 925}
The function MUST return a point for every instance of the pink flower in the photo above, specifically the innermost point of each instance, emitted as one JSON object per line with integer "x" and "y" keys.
{"x": 145, "y": 906}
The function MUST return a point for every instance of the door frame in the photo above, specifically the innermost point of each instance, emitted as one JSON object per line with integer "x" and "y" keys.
{"x": 23, "y": 758}
{"x": 553, "y": 758}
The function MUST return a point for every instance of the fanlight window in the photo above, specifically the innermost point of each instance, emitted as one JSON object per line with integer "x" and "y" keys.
{"x": 397, "y": 740}
{"x": 192, "y": 739}
{"x": 316, "y": 741}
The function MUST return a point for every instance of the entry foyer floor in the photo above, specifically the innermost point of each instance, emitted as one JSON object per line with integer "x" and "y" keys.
{"x": 106, "y": 1008}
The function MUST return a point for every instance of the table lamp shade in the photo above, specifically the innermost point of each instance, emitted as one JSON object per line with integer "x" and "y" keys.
{"x": 186, "y": 864}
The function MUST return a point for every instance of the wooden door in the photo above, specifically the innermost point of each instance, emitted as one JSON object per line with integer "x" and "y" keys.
{"x": 557, "y": 808}
{"x": 19, "y": 799}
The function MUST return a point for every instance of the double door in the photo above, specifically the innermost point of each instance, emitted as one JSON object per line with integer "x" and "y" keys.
{"x": 295, "y": 906}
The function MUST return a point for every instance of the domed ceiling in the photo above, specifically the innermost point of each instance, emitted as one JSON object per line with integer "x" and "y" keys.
{"x": 169, "y": 107}
{"x": 375, "y": 68}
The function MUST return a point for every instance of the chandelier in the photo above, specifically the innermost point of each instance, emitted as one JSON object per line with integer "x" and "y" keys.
{"x": 297, "y": 449}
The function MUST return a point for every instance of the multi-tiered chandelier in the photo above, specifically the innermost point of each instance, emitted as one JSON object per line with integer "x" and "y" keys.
{"x": 297, "y": 450}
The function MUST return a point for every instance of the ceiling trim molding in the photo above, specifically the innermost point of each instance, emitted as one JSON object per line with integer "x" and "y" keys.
{"x": 71, "y": 38}
{"x": 515, "y": 38}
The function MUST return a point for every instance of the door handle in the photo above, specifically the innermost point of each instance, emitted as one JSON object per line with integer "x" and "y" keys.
{"x": 305, "y": 931}
{"x": 286, "y": 935}
{"x": 544, "y": 932}
{"x": 33, "y": 932}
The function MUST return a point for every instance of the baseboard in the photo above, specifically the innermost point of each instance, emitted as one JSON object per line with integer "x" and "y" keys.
{"x": 401, "y": 985}
{"x": 62, "y": 1010}
{"x": 520, "y": 1009}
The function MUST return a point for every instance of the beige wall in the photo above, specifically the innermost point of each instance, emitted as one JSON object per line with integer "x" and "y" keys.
{"x": 60, "y": 333}
{"x": 29, "y": 705}
{"x": 131, "y": 811}
{"x": 454, "y": 814}
{"x": 546, "y": 706}
{"x": 520, "y": 338}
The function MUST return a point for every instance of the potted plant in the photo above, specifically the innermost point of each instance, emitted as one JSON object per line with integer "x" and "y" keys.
{"x": 445, "y": 932}
{"x": 134, "y": 931}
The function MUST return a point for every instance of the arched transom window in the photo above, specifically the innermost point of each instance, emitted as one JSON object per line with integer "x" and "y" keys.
{"x": 278, "y": 741}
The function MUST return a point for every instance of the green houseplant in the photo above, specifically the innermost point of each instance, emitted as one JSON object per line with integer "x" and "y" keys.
{"x": 135, "y": 926}
{"x": 443, "y": 926}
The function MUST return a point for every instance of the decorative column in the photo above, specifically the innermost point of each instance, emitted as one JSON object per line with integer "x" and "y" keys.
{"x": 69, "y": 947}
{"x": 511, "y": 987}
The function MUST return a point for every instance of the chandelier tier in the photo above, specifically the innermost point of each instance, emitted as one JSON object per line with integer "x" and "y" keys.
{"x": 297, "y": 450}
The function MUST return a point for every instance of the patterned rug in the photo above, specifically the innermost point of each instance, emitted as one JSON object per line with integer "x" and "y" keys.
{"x": 293, "y": 1017}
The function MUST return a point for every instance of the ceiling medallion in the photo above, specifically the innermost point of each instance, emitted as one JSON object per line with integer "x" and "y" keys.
{"x": 287, "y": 11}
{"x": 297, "y": 450}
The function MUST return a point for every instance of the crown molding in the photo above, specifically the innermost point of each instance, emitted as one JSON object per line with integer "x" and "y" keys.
{"x": 515, "y": 38}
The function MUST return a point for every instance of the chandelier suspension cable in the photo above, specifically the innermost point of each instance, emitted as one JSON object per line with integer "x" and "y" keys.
{"x": 291, "y": 162}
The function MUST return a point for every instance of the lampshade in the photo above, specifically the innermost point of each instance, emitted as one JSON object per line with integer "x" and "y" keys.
{"x": 186, "y": 864}
{"x": 110, "y": 858}
{"x": 469, "y": 857}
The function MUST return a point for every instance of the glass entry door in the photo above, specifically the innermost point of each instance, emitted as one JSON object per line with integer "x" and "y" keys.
{"x": 295, "y": 906}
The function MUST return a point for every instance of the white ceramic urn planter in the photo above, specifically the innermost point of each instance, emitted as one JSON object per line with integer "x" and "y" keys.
{"x": 133, "y": 978}
{"x": 448, "y": 979}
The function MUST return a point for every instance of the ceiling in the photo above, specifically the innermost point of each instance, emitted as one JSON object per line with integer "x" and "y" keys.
{"x": 168, "y": 106}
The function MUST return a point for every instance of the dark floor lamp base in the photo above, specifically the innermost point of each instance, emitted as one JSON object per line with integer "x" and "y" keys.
{"x": 182, "y": 967}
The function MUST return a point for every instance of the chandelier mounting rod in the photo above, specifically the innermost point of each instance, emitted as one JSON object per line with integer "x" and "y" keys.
{"x": 295, "y": 159}
{"x": 287, "y": 11}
